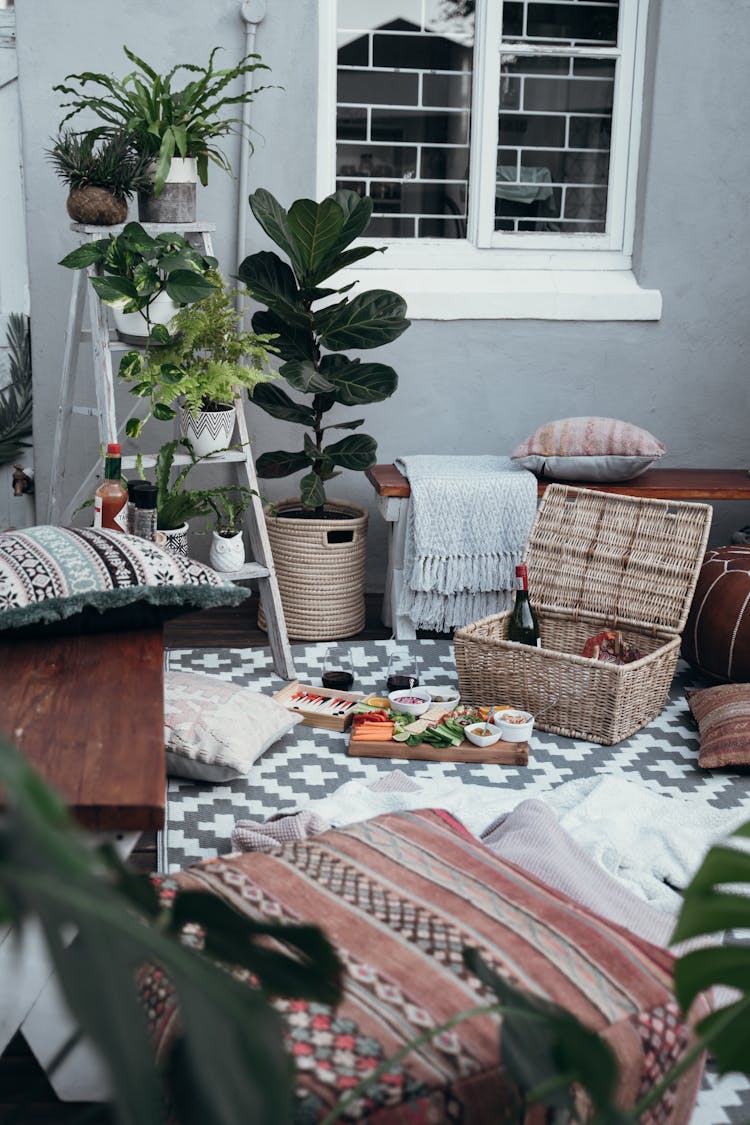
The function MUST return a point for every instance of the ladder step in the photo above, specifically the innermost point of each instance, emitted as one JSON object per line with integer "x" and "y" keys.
{"x": 148, "y": 460}
{"x": 249, "y": 570}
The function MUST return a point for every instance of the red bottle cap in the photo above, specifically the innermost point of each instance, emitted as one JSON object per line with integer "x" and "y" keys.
{"x": 113, "y": 447}
{"x": 521, "y": 570}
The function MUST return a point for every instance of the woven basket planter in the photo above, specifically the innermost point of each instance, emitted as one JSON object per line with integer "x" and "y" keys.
{"x": 320, "y": 566}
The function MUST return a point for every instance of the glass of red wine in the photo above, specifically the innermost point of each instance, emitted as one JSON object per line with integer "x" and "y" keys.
{"x": 402, "y": 670}
{"x": 337, "y": 669}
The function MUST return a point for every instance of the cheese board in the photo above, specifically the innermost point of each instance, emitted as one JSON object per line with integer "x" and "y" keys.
{"x": 370, "y": 746}
{"x": 319, "y": 706}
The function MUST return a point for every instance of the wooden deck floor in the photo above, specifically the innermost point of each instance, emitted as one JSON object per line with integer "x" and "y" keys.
{"x": 21, "y": 1078}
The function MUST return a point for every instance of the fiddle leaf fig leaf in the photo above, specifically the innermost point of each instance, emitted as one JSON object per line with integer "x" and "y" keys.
{"x": 269, "y": 280}
{"x": 367, "y": 321}
{"x": 312, "y": 492}
{"x": 345, "y": 425}
{"x": 303, "y": 377}
{"x": 359, "y": 383}
{"x": 316, "y": 229}
{"x": 275, "y": 222}
{"x": 356, "y": 452}
{"x": 292, "y": 341}
{"x": 276, "y": 402}
{"x": 279, "y": 463}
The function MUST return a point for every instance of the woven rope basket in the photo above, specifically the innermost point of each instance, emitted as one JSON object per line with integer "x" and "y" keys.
{"x": 322, "y": 580}
{"x": 596, "y": 561}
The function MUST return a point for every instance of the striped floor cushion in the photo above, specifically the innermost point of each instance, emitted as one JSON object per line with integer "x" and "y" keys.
{"x": 401, "y": 895}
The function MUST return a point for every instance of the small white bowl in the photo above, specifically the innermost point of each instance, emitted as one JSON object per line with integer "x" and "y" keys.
{"x": 445, "y": 696}
{"x": 397, "y": 697}
{"x": 514, "y": 726}
{"x": 472, "y": 734}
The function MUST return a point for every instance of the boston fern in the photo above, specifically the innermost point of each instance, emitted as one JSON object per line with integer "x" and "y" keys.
{"x": 315, "y": 237}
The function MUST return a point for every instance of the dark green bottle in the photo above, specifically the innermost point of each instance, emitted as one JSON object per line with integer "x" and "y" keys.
{"x": 523, "y": 625}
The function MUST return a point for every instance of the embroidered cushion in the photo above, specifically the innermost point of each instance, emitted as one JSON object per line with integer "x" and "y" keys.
{"x": 723, "y": 717}
{"x": 215, "y": 730}
{"x": 401, "y": 896}
{"x": 717, "y": 632}
{"x": 588, "y": 448}
{"x": 65, "y": 579}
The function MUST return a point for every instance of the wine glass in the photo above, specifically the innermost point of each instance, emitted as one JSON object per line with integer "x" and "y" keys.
{"x": 337, "y": 669}
{"x": 402, "y": 670}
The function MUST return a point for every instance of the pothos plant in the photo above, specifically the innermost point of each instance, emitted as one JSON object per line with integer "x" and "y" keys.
{"x": 311, "y": 332}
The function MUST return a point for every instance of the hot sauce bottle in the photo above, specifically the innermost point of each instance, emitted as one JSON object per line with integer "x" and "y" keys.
{"x": 111, "y": 497}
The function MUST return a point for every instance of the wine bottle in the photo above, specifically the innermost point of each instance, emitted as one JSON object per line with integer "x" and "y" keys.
{"x": 111, "y": 497}
{"x": 523, "y": 625}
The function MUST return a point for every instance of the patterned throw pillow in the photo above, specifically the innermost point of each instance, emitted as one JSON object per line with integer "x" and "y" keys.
{"x": 723, "y": 717}
{"x": 215, "y": 730}
{"x": 595, "y": 449}
{"x": 65, "y": 579}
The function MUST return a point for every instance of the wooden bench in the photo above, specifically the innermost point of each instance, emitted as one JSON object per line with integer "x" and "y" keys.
{"x": 88, "y": 713}
{"x": 392, "y": 490}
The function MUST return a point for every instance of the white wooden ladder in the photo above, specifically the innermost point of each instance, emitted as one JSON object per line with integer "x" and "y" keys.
{"x": 103, "y": 344}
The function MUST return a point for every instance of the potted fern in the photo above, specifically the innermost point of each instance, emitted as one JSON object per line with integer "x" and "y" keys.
{"x": 175, "y": 128}
{"x": 319, "y": 544}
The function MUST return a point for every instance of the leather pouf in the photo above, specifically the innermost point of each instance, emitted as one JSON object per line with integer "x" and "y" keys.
{"x": 716, "y": 638}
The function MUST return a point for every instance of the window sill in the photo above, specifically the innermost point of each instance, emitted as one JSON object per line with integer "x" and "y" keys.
{"x": 511, "y": 294}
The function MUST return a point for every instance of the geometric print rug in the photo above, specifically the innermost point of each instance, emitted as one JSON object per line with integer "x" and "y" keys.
{"x": 310, "y": 763}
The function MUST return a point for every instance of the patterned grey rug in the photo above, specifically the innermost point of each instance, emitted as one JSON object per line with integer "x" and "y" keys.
{"x": 310, "y": 763}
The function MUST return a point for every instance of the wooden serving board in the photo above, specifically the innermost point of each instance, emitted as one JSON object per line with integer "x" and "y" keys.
{"x": 312, "y": 717}
{"x": 502, "y": 753}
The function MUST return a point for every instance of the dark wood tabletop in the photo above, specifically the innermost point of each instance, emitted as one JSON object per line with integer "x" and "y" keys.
{"x": 88, "y": 713}
{"x": 658, "y": 484}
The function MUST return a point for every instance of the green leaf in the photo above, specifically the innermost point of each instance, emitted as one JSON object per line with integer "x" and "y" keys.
{"x": 91, "y": 253}
{"x": 373, "y": 318}
{"x": 278, "y": 404}
{"x": 185, "y": 286}
{"x": 356, "y": 452}
{"x": 166, "y": 152}
{"x": 304, "y": 377}
{"x": 275, "y": 222}
{"x": 706, "y": 908}
{"x": 345, "y": 425}
{"x": 357, "y": 383}
{"x": 163, "y": 412}
{"x": 316, "y": 229}
{"x": 171, "y": 374}
{"x": 159, "y": 334}
{"x": 134, "y": 427}
{"x": 311, "y": 491}
{"x": 114, "y": 290}
{"x": 134, "y": 237}
{"x": 131, "y": 366}
{"x": 279, "y": 463}
{"x": 291, "y": 343}
{"x": 269, "y": 280}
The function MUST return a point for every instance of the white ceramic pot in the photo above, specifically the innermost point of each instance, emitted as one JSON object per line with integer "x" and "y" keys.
{"x": 131, "y": 327}
{"x": 227, "y": 553}
{"x": 175, "y": 541}
{"x": 209, "y": 431}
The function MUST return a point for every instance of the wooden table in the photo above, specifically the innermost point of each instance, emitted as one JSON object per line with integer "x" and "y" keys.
{"x": 393, "y": 492}
{"x": 88, "y": 713}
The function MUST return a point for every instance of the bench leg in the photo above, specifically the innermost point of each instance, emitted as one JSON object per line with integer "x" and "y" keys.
{"x": 394, "y": 509}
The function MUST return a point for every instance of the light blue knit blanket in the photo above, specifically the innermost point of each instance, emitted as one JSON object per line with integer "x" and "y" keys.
{"x": 468, "y": 521}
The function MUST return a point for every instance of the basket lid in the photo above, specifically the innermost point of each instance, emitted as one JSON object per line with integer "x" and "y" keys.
{"x": 623, "y": 558}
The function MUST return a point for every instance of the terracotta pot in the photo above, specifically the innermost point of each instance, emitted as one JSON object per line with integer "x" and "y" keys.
{"x": 176, "y": 203}
{"x": 96, "y": 207}
{"x": 209, "y": 431}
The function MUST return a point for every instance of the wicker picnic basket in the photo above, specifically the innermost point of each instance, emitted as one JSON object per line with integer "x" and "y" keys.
{"x": 596, "y": 561}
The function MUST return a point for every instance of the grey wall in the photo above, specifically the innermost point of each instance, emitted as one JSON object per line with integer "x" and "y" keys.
{"x": 464, "y": 386}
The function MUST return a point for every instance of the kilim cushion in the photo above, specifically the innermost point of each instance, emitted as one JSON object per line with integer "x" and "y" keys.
{"x": 717, "y": 632}
{"x": 723, "y": 717}
{"x": 401, "y": 896}
{"x": 588, "y": 448}
{"x": 65, "y": 579}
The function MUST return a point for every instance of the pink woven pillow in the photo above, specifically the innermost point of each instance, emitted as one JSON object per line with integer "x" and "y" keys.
{"x": 588, "y": 448}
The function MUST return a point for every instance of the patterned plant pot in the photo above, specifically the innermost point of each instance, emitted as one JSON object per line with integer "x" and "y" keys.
{"x": 175, "y": 541}
{"x": 209, "y": 431}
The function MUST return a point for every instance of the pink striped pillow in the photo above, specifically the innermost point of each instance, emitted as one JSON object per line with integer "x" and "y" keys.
{"x": 723, "y": 717}
{"x": 588, "y": 448}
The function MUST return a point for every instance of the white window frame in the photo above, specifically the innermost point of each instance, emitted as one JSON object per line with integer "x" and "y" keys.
{"x": 495, "y": 274}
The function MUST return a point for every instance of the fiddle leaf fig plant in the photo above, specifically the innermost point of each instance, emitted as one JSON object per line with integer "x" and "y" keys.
{"x": 310, "y": 339}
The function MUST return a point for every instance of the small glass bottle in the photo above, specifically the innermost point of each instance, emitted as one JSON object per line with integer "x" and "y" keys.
{"x": 111, "y": 497}
{"x": 523, "y": 625}
{"x": 145, "y": 511}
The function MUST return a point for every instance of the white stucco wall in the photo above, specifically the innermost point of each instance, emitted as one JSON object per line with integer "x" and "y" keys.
{"x": 467, "y": 386}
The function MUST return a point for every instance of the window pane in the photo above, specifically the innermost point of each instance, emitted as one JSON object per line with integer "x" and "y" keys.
{"x": 553, "y": 144}
{"x": 575, "y": 22}
{"x": 403, "y": 113}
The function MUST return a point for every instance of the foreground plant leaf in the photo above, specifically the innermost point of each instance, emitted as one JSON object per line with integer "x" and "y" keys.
{"x": 230, "y": 1054}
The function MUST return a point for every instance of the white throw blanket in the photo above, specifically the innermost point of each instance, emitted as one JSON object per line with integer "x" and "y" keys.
{"x": 467, "y": 526}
